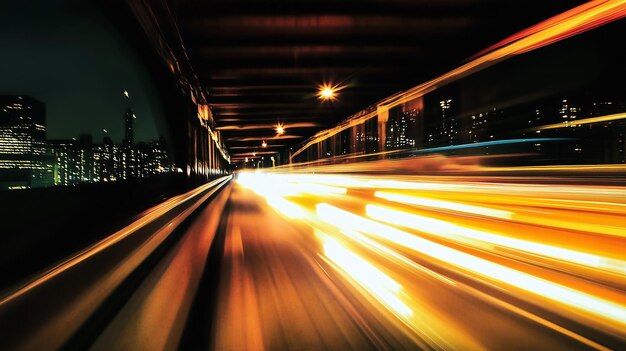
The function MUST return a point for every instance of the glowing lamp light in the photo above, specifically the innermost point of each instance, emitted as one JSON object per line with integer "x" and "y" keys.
{"x": 280, "y": 129}
{"x": 327, "y": 92}
{"x": 264, "y": 144}
{"x": 126, "y": 93}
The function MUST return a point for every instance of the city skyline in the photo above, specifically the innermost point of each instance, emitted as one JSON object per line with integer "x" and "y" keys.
{"x": 80, "y": 69}
{"x": 62, "y": 128}
{"x": 30, "y": 159}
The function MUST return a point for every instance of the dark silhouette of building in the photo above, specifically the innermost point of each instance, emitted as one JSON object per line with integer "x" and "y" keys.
{"x": 129, "y": 125}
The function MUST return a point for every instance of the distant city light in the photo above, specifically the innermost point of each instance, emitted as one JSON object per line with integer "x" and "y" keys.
{"x": 126, "y": 93}
{"x": 264, "y": 144}
{"x": 254, "y": 154}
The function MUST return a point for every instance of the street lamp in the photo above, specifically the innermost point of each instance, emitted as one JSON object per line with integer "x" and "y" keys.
{"x": 280, "y": 129}
{"x": 327, "y": 92}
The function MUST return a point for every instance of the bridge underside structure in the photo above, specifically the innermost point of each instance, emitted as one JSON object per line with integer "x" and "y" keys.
{"x": 198, "y": 148}
{"x": 252, "y": 67}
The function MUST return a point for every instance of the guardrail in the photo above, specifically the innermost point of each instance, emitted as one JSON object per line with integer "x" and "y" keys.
{"x": 68, "y": 306}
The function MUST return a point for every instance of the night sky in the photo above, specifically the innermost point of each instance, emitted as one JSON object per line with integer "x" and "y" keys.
{"x": 76, "y": 62}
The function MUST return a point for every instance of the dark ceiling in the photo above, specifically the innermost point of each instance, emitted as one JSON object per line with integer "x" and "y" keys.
{"x": 262, "y": 61}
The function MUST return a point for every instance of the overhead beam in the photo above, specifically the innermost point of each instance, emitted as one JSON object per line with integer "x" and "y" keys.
{"x": 316, "y": 25}
{"x": 286, "y": 126}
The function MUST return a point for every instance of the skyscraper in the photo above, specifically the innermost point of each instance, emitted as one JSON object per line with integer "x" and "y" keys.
{"x": 449, "y": 128}
{"x": 68, "y": 161}
{"x": 401, "y": 128}
{"x": 129, "y": 155}
{"x": 108, "y": 157}
{"x": 24, "y": 158}
{"x": 28, "y": 160}
{"x": 85, "y": 144}
{"x": 129, "y": 122}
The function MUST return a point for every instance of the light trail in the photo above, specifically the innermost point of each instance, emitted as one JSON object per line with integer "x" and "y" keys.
{"x": 389, "y": 293}
{"x": 578, "y": 122}
{"x": 445, "y": 205}
{"x": 376, "y": 282}
{"x": 487, "y": 144}
{"x": 149, "y": 216}
{"x": 589, "y": 304}
{"x": 471, "y": 236}
{"x": 286, "y": 207}
{"x": 271, "y": 185}
{"x": 555, "y": 246}
{"x": 47, "y": 312}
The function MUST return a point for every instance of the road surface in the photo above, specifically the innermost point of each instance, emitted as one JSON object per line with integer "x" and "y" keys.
{"x": 342, "y": 262}
{"x": 312, "y": 262}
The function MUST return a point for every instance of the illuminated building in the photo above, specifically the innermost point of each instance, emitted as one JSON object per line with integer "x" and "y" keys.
{"x": 106, "y": 161}
{"x": 28, "y": 160}
{"x": 401, "y": 131}
{"x": 153, "y": 158}
{"x": 568, "y": 113}
{"x": 130, "y": 154}
{"x": 449, "y": 131}
{"x": 480, "y": 128}
{"x": 24, "y": 158}
{"x": 68, "y": 166}
{"x": 371, "y": 135}
{"x": 85, "y": 144}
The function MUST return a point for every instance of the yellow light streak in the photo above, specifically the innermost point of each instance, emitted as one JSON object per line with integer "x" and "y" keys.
{"x": 446, "y": 205}
{"x": 275, "y": 186}
{"x": 318, "y": 189}
{"x": 600, "y": 119}
{"x": 469, "y": 236}
{"x": 398, "y": 184}
{"x": 286, "y": 207}
{"x": 393, "y": 255}
{"x": 377, "y": 283}
{"x": 583, "y": 302}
